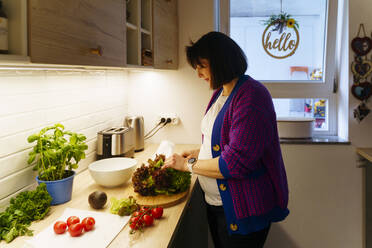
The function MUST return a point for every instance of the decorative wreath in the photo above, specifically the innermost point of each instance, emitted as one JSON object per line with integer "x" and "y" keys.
{"x": 281, "y": 21}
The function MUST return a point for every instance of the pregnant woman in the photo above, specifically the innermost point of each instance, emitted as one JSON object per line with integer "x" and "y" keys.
{"x": 239, "y": 165}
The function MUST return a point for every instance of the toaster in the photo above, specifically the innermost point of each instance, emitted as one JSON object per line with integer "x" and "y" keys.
{"x": 115, "y": 142}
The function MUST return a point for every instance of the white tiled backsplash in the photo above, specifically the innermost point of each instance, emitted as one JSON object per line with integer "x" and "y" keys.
{"x": 83, "y": 101}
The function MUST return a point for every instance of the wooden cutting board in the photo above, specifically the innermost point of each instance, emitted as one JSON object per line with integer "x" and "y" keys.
{"x": 159, "y": 200}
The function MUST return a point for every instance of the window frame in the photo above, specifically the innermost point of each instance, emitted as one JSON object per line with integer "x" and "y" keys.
{"x": 297, "y": 89}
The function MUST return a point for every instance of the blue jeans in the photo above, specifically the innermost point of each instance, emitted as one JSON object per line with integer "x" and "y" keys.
{"x": 222, "y": 239}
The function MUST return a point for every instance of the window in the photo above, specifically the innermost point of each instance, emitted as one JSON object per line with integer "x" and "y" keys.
{"x": 295, "y": 64}
{"x": 263, "y": 46}
{"x": 299, "y": 108}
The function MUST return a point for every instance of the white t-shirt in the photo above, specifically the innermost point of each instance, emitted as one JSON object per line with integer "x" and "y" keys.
{"x": 208, "y": 184}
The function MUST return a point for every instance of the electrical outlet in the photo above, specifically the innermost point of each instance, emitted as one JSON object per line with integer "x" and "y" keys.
{"x": 173, "y": 117}
{"x": 175, "y": 120}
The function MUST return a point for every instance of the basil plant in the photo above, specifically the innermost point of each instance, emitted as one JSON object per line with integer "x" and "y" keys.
{"x": 57, "y": 152}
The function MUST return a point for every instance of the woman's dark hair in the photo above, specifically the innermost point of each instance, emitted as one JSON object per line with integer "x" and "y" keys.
{"x": 226, "y": 59}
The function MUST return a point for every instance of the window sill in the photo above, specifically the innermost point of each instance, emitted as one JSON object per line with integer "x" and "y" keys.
{"x": 316, "y": 140}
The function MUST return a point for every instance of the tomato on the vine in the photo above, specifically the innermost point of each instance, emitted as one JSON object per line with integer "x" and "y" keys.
{"x": 137, "y": 213}
{"x": 72, "y": 220}
{"x": 144, "y": 217}
{"x": 133, "y": 226}
{"x": 88, "y": 223}
{"x": 136, "y": 219}
{"x": 148, "y": 219}
{"x": 60, "y": 227}
{"x": 136, "y": 222}
{"x": 75, "y": 229}
{"x": 145, "y": 209}
{"x": 157, "y": 213}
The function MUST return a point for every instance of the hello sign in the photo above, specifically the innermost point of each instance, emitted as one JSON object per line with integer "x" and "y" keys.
{"x": 280, "y": 45}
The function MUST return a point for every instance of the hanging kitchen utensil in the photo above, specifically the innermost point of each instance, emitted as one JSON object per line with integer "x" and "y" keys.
{"x": 361, "y": 45}
{"x": 362, "y": 91}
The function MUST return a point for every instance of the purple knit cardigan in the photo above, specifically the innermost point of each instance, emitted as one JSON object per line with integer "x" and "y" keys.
{"x": 248, "y": 145}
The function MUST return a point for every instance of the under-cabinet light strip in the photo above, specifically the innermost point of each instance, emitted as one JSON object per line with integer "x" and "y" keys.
{"x": 21, "y": 68}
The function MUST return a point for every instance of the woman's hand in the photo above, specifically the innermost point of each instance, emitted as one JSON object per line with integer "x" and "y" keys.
{"x": 177, "y": 162}
{"x": 191, "y": 153}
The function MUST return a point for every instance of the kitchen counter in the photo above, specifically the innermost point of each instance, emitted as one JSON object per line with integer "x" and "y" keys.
{"x": 161, "y": 234}
{"x": 316, "y": 140}
{"x": 365, "y": 153}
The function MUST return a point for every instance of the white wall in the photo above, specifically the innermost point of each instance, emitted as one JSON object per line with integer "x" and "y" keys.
{"x": 85, "y": 102}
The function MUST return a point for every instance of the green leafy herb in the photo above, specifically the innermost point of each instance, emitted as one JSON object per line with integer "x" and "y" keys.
{"x": 180, "y": 181}
{"x": 125, "y": 206}
{"x": 54, "y": 153}
{"x": 25, "y": 208}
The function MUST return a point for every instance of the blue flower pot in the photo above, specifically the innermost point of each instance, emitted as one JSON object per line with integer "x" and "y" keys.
{"x": 60, "y": 190}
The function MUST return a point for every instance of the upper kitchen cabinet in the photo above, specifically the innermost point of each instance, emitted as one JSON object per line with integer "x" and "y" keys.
{"x": 119, "y": 33}
{"x": 139, "y": 33}
{"x": 77, "y": 32}
{"x": 165, "y": 29}
{"x": 16, "y": 12}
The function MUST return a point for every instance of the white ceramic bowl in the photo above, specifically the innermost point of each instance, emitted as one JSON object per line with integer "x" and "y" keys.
{"x": 112, "y": 172}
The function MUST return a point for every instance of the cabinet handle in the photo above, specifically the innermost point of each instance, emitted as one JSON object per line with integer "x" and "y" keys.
{"x": 96, "y": 51}
{"x": 169, "y": 61}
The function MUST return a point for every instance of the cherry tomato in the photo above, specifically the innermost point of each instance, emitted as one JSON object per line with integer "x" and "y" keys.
{"x": 133, "y": 226}
{"x": 145, "y": 209}
{"x": 75, "y": 229}
{"x": 137, "y": 213}
{"x": 72, "y": 220}
{"x": 148, "y": 220}
{"x": 135, "y": 222}
{"x": 136, "y": 219}
{"x": 60, "y": 227}
{"x": 88, "y": 223}
{"x": 157, "y": 213}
